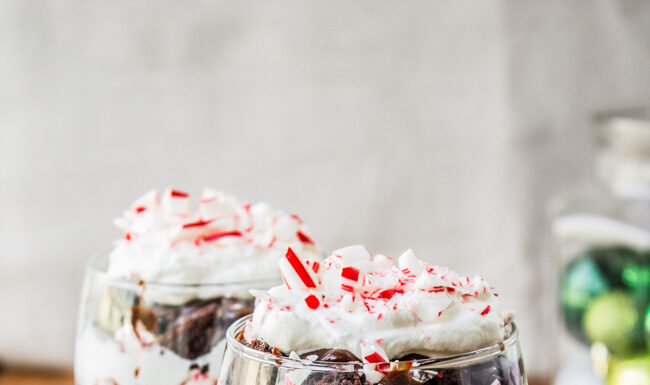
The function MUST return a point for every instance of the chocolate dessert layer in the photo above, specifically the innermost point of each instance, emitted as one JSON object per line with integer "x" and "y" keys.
{"x": 485, "y": 373}
{"x": 192, "y": 329}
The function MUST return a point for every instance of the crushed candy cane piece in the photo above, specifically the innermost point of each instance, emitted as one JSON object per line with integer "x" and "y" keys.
{"x": 295, "y": 272}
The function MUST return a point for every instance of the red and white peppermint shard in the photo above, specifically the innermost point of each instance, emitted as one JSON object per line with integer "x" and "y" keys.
{"x": 373, "y": 354}
{"x": 315, "y": 265}
{"x": 383, "y": 261}
{"x": 176, "y": 202}
{"x": 376, "y": 362}
{"x": 296, "y": 273}
{"x": 351, "y": 254}
{"x": 209, "y": 204}
{"x": 216, "y": 208}
{"x": 409, "y": 264}
{"x": 350, "y": 278}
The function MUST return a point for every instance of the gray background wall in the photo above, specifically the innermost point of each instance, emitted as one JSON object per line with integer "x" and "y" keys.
{"x": 441, "y": 126}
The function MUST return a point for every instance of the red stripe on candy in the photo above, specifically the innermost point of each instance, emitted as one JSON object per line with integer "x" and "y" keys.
{"x": 312, "y": 302}
{"x": 286, "y": 283}
{"x": 179, "y": 194}
{"x": 196, "y": 224}
{"x": 375, "y": 358}
{"x": 389, "y": 293}
{"x": 350, "y": 273}
{"x": 299, "y": 268}
{"x": 214, "y": 237}
{"x": 347, "y": 287}
{"x": 304, "y": 238}
{"x": 486, "y": 310}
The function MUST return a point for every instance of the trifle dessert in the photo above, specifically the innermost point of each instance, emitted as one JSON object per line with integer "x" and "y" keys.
{"x": 156, "y": 307}
{"x": 358, "y": 319}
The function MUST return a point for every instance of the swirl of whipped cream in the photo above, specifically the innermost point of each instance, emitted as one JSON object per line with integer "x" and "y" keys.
{"x": 363, "y": 303}
{"x": 223, "y": 240}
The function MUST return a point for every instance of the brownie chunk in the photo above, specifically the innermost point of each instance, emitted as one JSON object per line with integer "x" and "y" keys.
{"x": 192, "y": 329}
{"x": 332, "y": 378}
{"x": 195, "y": 331}
{"x": 261, "y": 346}
{"x": 332, "y": 355}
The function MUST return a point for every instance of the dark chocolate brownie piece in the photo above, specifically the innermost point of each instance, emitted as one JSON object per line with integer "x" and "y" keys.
{"x": 334, "y": 378}
{"x": 195, "y": 330}
{"x": 332, "y": 355}
{"x": 192, "y": 329}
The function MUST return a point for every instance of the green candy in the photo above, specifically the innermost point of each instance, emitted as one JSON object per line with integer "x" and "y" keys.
{"x": 583, "y": 282}
{"x": 635, "y": 371}
{"x": 647, "y": 328}
{"x": 614, "y": 320}
{"x": 597, "y": 272}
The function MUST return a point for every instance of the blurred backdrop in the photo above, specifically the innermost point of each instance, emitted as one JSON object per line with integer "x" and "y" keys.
{"x": 440, "y": 126}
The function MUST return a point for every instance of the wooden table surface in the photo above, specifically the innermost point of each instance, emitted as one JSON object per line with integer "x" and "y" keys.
{"x": 13, "y": 377}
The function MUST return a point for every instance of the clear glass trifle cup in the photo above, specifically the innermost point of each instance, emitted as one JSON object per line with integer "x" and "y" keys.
{"x": 155, "y": 309}
{"x": 500, "y": 364}
{"x": 356, "y": 318}
{"x": 132, "y": 332}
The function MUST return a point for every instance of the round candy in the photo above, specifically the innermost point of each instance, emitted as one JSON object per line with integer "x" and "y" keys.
{"x": 635, "y": 371}
{"x": 583, "y": 281}
{"x": 613, "y": 261}
{"x": 614, "y": 320}
{"x": 597, "y": 272}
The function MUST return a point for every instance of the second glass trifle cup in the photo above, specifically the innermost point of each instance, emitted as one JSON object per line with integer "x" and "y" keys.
{"x": 357, "y": 319}
{"x": 155, "y": 309}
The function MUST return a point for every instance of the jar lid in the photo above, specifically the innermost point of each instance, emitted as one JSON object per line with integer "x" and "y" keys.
{"x": 626, "y": 132}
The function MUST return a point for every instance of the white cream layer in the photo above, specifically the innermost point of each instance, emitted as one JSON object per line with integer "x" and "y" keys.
{"x": 103, "y": 360}
{"x": 413, "y": 308}
{"x": 223, "y": 240}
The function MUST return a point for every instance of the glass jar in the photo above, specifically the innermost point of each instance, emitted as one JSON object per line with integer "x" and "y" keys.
{"x": 149, "y": 333}
{"x": 500, "y": 364}
{"x": 601, "y": 237}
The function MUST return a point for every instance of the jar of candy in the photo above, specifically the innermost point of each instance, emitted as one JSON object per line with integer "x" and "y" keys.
{"x": 601, "y": 238}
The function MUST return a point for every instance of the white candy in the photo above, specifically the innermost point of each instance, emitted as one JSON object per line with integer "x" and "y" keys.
{"x": 428, "y": 281}
{"x": 383, "y": 261}
{"x": 285, "y": 228}
{"x": 208, "y": 194}
{"x": 347, "y": 303}
{"x": 216, "y": 208}
{"x": 349, "y": 255}
{"x": 262, "y": 215}
{"x": 370, "y": 369}
{"x": 409, "y": 261}
{"x": 178, "y": 205}
{"x": 372, "y": 374}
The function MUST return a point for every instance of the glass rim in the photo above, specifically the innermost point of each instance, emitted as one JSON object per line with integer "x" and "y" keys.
{"x": 460, "y": 359}
{"x": 94, "y": 265}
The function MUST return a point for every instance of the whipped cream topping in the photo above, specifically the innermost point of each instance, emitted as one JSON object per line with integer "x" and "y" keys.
{"x": 223, "y": 240}
{"x": 378, "y": 311}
